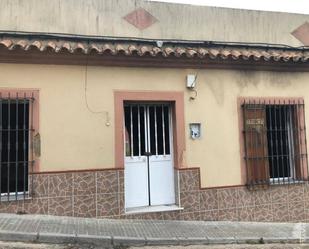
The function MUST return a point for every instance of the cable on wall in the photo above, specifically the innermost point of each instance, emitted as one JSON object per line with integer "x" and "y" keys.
{"x": 107, "y": 122}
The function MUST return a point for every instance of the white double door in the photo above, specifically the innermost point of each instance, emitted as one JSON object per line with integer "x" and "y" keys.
{"x": 149, "y": 170}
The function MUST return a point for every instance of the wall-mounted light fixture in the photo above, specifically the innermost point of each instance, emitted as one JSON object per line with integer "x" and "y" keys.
{"x": 191, "y": 83}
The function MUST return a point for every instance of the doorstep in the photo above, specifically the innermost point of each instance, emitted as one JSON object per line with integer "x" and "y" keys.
{"x": 152, "y": 209}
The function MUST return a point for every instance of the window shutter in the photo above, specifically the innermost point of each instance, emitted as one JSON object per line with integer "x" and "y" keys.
{"x": 256, "y": 149}
{"x": 300, "y": 150}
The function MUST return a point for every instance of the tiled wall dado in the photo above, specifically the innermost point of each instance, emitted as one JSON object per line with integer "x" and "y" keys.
{"x": 101, "y": 194}
{"x": 82, "y": 194}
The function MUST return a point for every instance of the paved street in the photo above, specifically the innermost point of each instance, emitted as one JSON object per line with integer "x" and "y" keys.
{"x": 20, "y": 245}
{"x": 123, "y": 233}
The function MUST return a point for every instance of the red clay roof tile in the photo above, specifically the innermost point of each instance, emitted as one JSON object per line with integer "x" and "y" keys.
{"x": 141, "y": 49}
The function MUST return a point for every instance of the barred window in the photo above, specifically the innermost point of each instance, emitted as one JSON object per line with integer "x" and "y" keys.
{"x": 274, "y": 141}
{"x": 16, "y": 128}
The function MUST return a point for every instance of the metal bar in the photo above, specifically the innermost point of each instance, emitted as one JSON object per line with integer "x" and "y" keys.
{"x": 9, "y": 126}
{"x": 24, "y": 144}
{"x": 300, "y": 140}
{"x": 131, "y": 131}
{"x": 145, "y": 129}
{"x": 170, "y": 129}
{"x": 251, "y": 148}
{"x": 156, "y": 129}
{"x": 286, "y": 139}
{"x": 19, "y": 162}
{"x": 15, "y": 129}
{"x": 148, "y": 152}
{"x": 148, "y": 130}
{"x": 298, "y": 130}
{"x": 270, "y": 137}
{"x": 255, "y": 135}
{"x": 163, "y": 129}
{"x": 276, "y": 139}
{"x": 285, "y": 155}
{"x": 139, "y": 130}
{"x": 299, "y": 136}
{"x": 148, "y": 175}
{"x": 304, "y": 130}
{"x": 32, "y": 136}
{"x": 16, "y": 149}
{"x": 1, "y": 143}
{"x": 291, "y": 141}
{"x": 265, "y": 158}
{"x": 245, "y": 140}
{"x": 281, "y": 141}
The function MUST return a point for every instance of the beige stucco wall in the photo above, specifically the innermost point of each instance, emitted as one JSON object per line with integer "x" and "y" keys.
{"x": 74, "y": 138}
{"x": 175, "y": 21}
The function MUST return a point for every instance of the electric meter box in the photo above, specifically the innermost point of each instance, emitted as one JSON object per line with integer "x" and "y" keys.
{"x": 195, "y": 130}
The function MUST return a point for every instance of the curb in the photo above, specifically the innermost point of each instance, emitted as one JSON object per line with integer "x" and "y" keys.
{"x": 57, "y": 238}
{"x": 18, "y": 236}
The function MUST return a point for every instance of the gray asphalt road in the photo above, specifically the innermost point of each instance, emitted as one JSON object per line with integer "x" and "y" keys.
{"x": 264, "y": 246}
{"x": 19, "y": 245}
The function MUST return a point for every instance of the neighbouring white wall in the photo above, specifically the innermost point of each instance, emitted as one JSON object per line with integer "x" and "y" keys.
{"x": 175, "y": 21}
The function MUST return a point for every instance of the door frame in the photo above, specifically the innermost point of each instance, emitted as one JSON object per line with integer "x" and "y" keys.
{"x": 177, "y": 104}
{"x": 158, "y": 162}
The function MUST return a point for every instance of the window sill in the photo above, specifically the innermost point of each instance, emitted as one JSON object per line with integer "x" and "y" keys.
{"x": 152, "y": 209}
{"x": 291, "y": 182}
{"x": 20, "y": 197}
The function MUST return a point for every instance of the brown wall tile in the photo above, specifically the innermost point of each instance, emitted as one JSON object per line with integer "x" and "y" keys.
{"x": 279, "y": 194}
{"x": 84, "y": 206}
{"x": 189, "y": 216}
{"x": 39, "y": 185}
{"x": 190, "y": 201}
{"x": 62, "y": 206}
{"x": 228, "y": 215}
{"x": 189, "y": 180}
{"x": 60, "y": 185}
{"x": 121, "y": 181}
{"x": 107, "y": 204}
{"x": 227, "y": 198}
{"x": 245, "y": 198}
{"x": 84, "y": 183}
{"x": 75, "y": 194}
{"x": 208, "y": 200}
{"x": 295, "y": 193}
{"x": 35, "y": 206}
{"x": 211, "y": 215}
{"x": 263, "y": 213}
{"x": 8, "y": 207}
{"x": 107, "y": 181}
{"x": 261, "y": 197}
{"x": 151, "y": 216}
{"x": 121, "y": 203}
{"x": 297, "y": 211}
{"x": 280, "y": 212}
{"x": 306, "y": 192}
{"x": 246, "y": 214}
{"x": 174, "y": 215}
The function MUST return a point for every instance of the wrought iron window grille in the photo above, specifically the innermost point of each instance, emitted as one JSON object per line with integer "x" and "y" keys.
{"x": 16, "y": 152}
{"x": 275, "y": 145}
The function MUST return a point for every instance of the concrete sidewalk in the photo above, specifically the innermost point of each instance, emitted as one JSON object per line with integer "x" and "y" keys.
{"x": 103, "y": 232}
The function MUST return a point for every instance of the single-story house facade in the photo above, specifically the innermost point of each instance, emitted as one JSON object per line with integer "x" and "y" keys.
{"x": 148, "y": 110}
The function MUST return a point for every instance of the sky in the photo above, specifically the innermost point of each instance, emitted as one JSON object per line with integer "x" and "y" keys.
{"x": 293, "y": 6}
